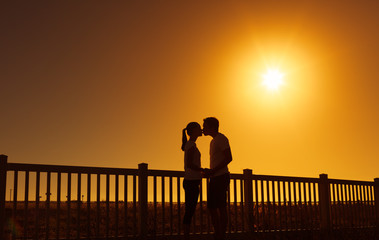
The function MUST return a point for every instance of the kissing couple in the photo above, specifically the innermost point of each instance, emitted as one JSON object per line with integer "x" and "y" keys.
{"x": 218, "y": 174}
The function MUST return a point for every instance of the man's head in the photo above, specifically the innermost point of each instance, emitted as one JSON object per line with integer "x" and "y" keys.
{"x": 210, "y": 126}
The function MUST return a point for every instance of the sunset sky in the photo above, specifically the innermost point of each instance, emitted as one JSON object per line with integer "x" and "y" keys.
{"x": 113, "y": 83}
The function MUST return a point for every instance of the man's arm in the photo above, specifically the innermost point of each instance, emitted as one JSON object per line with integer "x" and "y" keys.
{"x": 227, "y": 159}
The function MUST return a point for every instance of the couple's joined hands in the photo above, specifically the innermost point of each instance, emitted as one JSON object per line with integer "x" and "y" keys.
{"x": 206, "y": 172}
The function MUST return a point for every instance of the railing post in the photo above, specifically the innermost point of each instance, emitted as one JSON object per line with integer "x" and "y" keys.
{"x": 376, "y": 196}
{"x": 324, "y": 203}
{"x": 142, "y": 200}
{"x": 248, "y": 190}
{"x": 3, "y": 179}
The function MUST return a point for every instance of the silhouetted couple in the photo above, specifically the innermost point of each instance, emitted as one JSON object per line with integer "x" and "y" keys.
{"x": 218, "y": 174}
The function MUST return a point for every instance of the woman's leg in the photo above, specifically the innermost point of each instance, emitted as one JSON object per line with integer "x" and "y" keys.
{"x": 191, "y": 188}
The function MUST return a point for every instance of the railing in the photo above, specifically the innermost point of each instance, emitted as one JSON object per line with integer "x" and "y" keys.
{"x": 65, "y": 202}
{"x": 72, "y": 218}
{"x": 352, "y": 204}
{"x": 285, "y": 203}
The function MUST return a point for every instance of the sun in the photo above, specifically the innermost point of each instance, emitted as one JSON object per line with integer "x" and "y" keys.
{"x": 273, "y": 79}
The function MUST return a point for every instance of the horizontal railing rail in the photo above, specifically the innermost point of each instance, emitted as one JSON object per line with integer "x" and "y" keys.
{"x": 69, "y": 169}
{"x": 340, "y": 181}
{"x": 285, "y": 178}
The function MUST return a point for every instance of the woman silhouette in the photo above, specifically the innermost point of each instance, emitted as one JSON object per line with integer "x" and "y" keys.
{"x": 192, "y": 173}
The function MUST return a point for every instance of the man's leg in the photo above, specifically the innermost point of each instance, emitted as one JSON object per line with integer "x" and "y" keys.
{"x": 212, "y": 206}
{"x": 223, "y": 216}
{"x": 216, "y": 222}
{"x": 186, "y": 231}
{"x": 223, "y": 222}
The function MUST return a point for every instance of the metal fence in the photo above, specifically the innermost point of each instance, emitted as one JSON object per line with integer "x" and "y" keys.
{"x": 67, "y": 202}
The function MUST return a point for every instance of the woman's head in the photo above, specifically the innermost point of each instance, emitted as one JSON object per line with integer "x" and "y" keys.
{"x": 193, "y": 128}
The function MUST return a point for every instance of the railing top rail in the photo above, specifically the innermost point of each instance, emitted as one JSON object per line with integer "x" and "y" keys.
{"x": 236, "y": 176}
{"x": 351, "y": 182}
{"x": 69, "y": 169}
{"x": 284, "y": 178}
{"x": 165, "y": 173}
{"x": 169, "y": 173}
{"x": 172, "y": 173}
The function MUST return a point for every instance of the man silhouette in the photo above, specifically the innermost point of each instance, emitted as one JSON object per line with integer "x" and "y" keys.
{"x": 220, "y": 157}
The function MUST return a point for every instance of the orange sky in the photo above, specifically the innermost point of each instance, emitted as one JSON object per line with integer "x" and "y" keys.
{"x": 112, "y": 83}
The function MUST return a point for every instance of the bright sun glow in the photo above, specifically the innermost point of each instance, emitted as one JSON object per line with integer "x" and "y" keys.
{"x": 273, "y": 79}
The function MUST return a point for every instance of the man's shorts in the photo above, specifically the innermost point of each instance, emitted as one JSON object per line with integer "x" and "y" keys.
{"x": 217, "y": 188}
